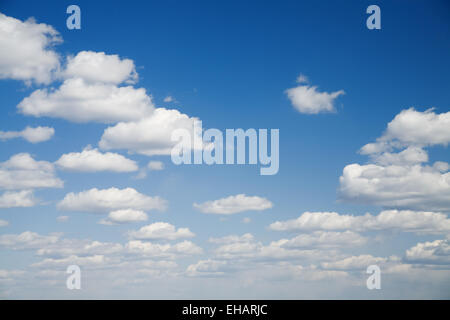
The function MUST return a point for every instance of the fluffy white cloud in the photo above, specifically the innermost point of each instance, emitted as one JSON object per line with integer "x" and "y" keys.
{"x": 88, "y": 261}
{"x": 26, "y": 53}
{"x": 27, "y": 240}
{"x": 96, "y": 200}
{"x": 208, "y": 268}
{"x": 13, "y": 199}
{"x": 150, "y": 135}
{"x": 124, "y": 216}
{"x": 398, "y": 179}
{"x": 247, "y": 237}
{"x": 245, "y": 247}
{"x": 405, "y": 187}
{"x": 407, "y": 221}
{"x": 155, "y": 165}
{"x": 163, "y": 250}
{"x": 413, "y": 128}
{"x": 33, "y": 135}
{"x": 354, "y": 262}
{"x": 21, "y": 171}
{"x": 325, "y": 239}
{"x": 169, "y": 99}
{"x": 434, "y": 252}
{"x": 161, "y": 231}
{"x": 3, "y": 223}
{"x": 80, "y": 101}
{"x": 234, "y": 204}
{"x": 100, "y": 67}
{"x": 91, "y": 160}
{"x": 78, "y": 247}
{"x": 307, "y": 99}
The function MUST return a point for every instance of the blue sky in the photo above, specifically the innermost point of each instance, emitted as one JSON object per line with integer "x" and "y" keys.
{"x": 230, "y": 64}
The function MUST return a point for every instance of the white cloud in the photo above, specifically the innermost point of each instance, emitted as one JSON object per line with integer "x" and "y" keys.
{"x": 398, "y": 179}
{"x": 434, "y": 252}
{"x": 21, "y": 171}
{"x": 79, "y": 101}
{"x": 13, "y": 199}
{"x": 91, "y": 160}
{"x": 360, "y": 262}
{"x": 405, "y": 187}
{"x": 96, "y": 260}
{"x": 124, "y": 216}
{"x": 155, "y": 165}
{"x": 325, "y": 239}
{"x": 79, "y": 247}
{"x": 27, "y": 240}
{"x": 3, "y": 223}
{"x": 307, "y": 99}
{"x": 406, "y": 221}
{"x": 96, "y": 200}
{"x": 302, "y": 79}
{"x": 234, "y": 204}
{"x": 62, "y": 218}
{"x": 161, "y": 231}
{"x": 100, "y": 67}
{"x": 247, "y": 237}
{"x": 150, "y": 135}
{"x": 246, "y": 248}
{"x": 163, "y": 250}
{"x": 33, "y": 135}
{"x": 169, "y": 99}
{"x": 26, "y": 53}
{"x": 413, "y": 128}
{"x": 208, "y": 268}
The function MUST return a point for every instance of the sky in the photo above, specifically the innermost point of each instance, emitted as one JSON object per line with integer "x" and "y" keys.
{"x": 86, "y": 176}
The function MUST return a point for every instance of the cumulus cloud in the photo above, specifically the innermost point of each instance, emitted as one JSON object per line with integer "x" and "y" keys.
{"x": 26, "y": 50}
{"x": 325, "y": 239}
{"x": 161, "y": 231}
{"x": 91, "y": 160}
{"x": 163, "y": 250}
{"x": 433, "y": 252}
{"x": 150, "y": 135}
{"x": 95, "y": 200}
{"x": 124, "y": 216}
{"x": 27, "y": 240}
{"x": 307, "y": 99}
{"x": 21, "y": 171}
{"x": 79, "y": 247}
{"x": 155, "y": 165}
{"x": 413, "y": 128}
{"x": 398, "y": 179}
{"x": 406, "y": 187}
{"x": 406, "y": 221}
{"x": 13, "y": 199}
{"x": 245, "y": 247}
{"x": 3, "y": 223}
{"x": 360, "y": 262}
{"x": 79, "y": 101}
{"x": 234, "y": 204}
{"x": 33, "y": 135}
{"x": 169, "y": 99}
{"x": 208, "y": 268}
{"x": 100, "y": 67}
{"x": 87, "y": 261}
